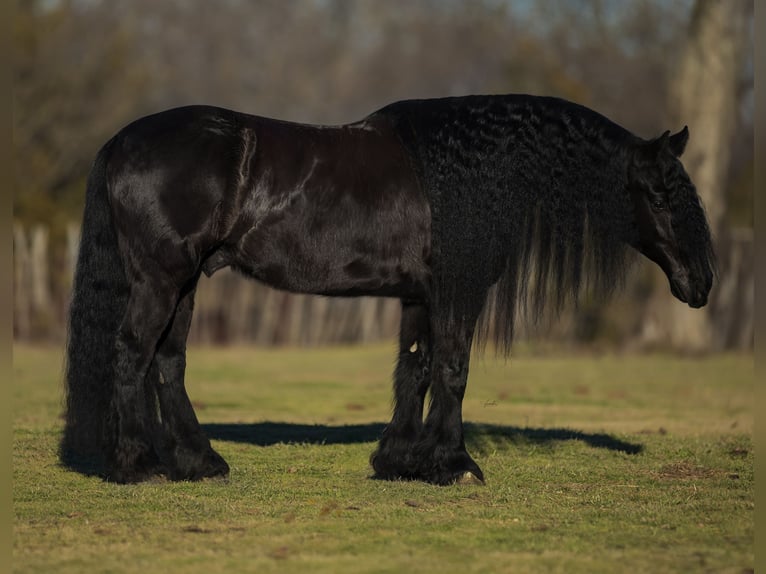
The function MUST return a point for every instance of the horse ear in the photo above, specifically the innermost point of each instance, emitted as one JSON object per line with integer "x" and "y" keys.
{"x": 651, "y": 150}
{"x": 677, "y": 142}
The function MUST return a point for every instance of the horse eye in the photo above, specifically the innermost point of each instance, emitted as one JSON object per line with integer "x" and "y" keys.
{"x": 658, "y": 205}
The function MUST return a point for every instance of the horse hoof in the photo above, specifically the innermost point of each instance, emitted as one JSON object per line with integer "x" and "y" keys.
{"x": 469, "y": 479}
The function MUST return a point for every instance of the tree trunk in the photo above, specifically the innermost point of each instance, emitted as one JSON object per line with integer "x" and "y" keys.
{"x": 704, "y": 96}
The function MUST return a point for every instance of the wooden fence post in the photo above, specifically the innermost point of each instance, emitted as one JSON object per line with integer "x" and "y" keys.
{"x": 41, "y": 296}
{"x": 22, "y": 309}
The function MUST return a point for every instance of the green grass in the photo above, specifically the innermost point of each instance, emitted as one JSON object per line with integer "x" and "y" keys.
{"x": 603, "y": 463}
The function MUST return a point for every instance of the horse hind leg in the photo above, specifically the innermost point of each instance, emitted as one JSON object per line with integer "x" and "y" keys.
{"x": 132, "y": 426}
{"x": 394, "y": 457}
{"x": 187, "y": 450}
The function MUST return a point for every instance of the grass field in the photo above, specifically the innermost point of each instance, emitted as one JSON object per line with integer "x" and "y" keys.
{"x": 594, "y": 463}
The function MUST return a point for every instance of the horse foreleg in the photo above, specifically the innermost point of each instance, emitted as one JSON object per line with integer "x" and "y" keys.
{"x": 441, "y": 454}
{"x": 393, "y": 458}
{"x": 132, "y": 456}
{"x": 191, "y": 456}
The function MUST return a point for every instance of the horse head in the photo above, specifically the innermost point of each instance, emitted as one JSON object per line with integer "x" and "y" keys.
{"x": 670, "y": 221}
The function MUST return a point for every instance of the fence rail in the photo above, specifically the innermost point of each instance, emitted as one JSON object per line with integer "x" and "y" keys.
{"x": 232, "y": 309}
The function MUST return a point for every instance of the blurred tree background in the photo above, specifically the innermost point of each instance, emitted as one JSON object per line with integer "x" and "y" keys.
{"x": 84, "y": 68}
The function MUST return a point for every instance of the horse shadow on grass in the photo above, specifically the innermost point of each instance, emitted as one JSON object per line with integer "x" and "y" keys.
{"x": 480, "y": 437}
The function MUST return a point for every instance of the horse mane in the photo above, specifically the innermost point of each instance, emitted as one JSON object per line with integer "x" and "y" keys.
{"x": 529, "y": 196}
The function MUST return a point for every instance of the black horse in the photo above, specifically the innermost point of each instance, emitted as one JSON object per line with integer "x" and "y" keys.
{"x": 462, "y": 208}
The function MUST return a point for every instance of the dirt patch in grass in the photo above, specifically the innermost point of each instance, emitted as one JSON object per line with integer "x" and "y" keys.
{"x": 687, "y": 471}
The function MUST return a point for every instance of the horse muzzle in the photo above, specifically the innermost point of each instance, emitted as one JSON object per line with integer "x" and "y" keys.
{"x": 694, "y": 294}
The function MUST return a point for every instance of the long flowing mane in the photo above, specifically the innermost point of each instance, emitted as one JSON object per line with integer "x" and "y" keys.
{"x": 536, "y": 186}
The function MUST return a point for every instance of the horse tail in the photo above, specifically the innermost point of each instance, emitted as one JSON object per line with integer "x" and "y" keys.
{"x": 99, "y": 300}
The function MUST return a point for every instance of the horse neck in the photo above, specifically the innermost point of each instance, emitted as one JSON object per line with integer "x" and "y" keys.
{"x": 581, "y": 173}
{"x": 577, "y": 213}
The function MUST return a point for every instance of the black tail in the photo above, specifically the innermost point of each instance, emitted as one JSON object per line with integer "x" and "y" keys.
{"x": 99, "y": 300}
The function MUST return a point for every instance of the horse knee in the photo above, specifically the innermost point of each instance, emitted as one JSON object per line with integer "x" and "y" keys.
{"x": 452, "y": 370}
